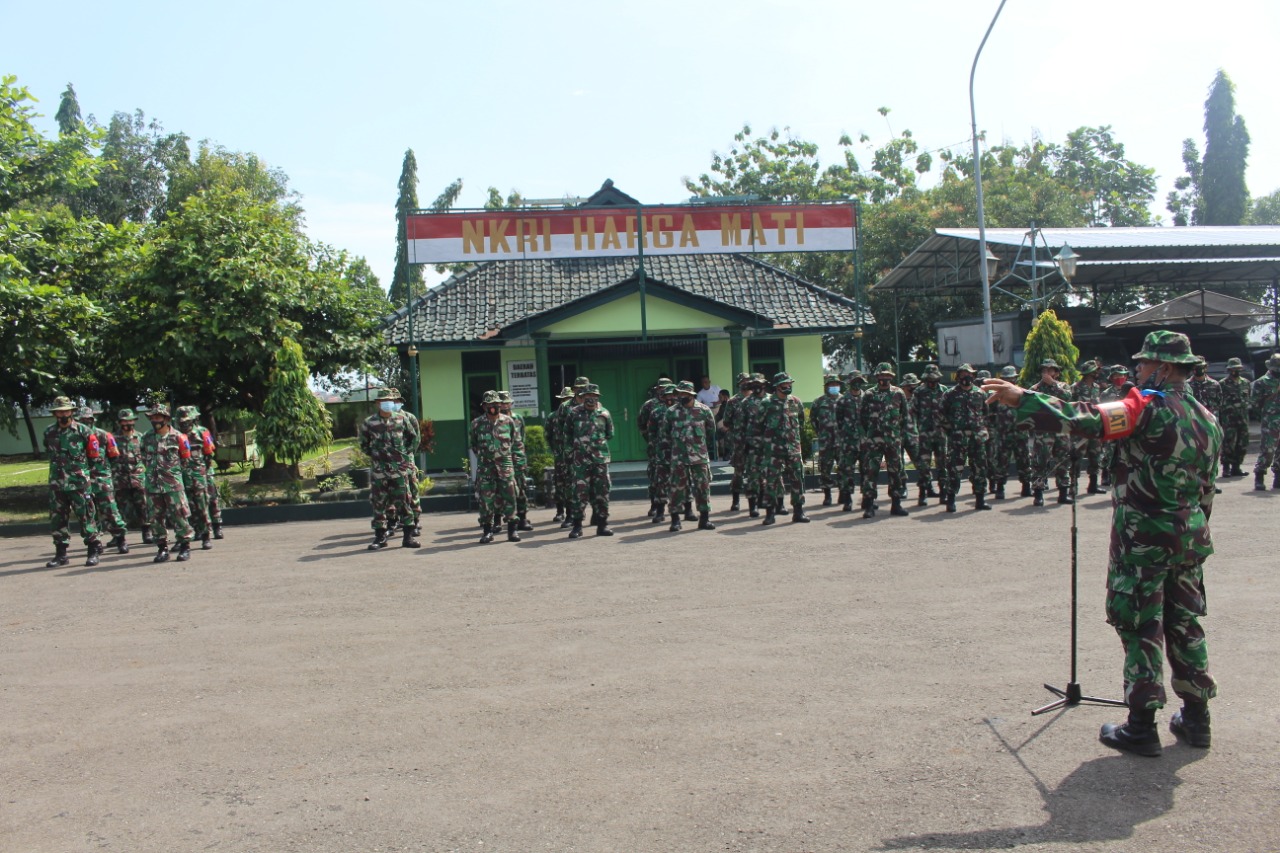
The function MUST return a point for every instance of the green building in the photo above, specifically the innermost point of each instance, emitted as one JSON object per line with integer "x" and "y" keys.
{"x": 530, "y": 327}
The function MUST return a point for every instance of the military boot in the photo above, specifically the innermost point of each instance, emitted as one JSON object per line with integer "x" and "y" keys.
{"x": 1026, "y": 489}
{"x": 147, "y": 539}
{"x": 843, "y": 497}
{"x": 846, "y": 502}
{"x": 559, "y": 516}
{"x": 184, "y": 552}
{"x": 1064, "y": 497}
{"x": 95, "y": 553}
{"x": 1192, "y": 724}
{"x": 576, "y": 531}
{"x": 675, "y": 522}
{"x": 661, "y": 514}
{"x": 512, "y": 535}
{"x": 768, "y": 514}
{"x": 778, "y": 506}
{"x": 118, "y": 542}
{"x": 205, "y": 544}
{"x": 896, "y": 508}
{"x": 688, "y": 511}
{"x": 826, "y": 497}
{"x": 1259, "y": 481}
{"x": 930, "y": 490}
{"x": 981, "y": 502}
{"x": 1275, "y": 480}
{"x": 1138, "y": 735}
{"x": 949, "y": 501}
{"x": 733, "y": 506}
{"x": 379, "y": 540}
{"x": 1226, "y": 469}
{"x": 409, "y": 540}
{"x": 217, "y": 531}
{"x": 923, "y": 500}
{"x": 653, "y": 508}
{"x": 752, "y": 510}
{"x": 602, "y": 526}
{"x": 523, "y": 522}
{"x": 1106, "y": 478}
{"x": 798, "y": 515}
{"x": 1037, "y": 497}
{"x": 59, "y": 556}
{"x": 704, "y": 521}
{"x": 162, "y": 551}
{"x": 487, "y": 536}
{"x": 595, "y": 519}
{"x": 1000, "y": 491}
{"x": 1094, "y": 488}
{"x": 868, "y": 506}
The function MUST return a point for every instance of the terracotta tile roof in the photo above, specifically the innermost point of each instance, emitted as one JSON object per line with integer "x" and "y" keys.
{"x": 481, "y": 302}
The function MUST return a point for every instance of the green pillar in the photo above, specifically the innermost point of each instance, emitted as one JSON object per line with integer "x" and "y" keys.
{"x": 544, "y": 375}
{"x": 735, "y": 354}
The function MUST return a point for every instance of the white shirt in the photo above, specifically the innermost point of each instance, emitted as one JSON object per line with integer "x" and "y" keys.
{"x": 709, "y": 396}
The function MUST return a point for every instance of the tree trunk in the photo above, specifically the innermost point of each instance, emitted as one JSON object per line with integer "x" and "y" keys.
{"x": 31, "y": 431}
{"x": 273, "y": 471}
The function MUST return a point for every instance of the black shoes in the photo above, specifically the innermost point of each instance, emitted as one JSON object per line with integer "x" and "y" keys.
{"x": 410, "y": 540}
{"x": 826, "y": 497}
{"x": 217, "y": 531}
{"x": 1191, "y": 724}
{"x": 379, "y": 542}
{"x": 59, "y": 557}
{"x": 1064, "y": 498}
{"x": 95, "y": 553}
{"x": 184, "y": 552}
{"x": 896, "y": 508}
{"x": 950, "y": 501}
{"x": 487, "y": 536}
{"x": 522, "y": 522}
{"x": 1026, "y": 489}
{"x": 768, "y": 516}
{"x": 981, "y": 503}
{"x": 576, "y": 531}
{"x": 704, "y": 521}
{"x": 205, "y": 544}
{"x": 660, "y": 513}
{"x": 602, "y": 526}
{"x": 162, "y": 552}
{"x": 675, "y": 522}
{"x": 1138, "y": 735}
{"x": 1037, "y": 497}
{"x": 512, "y": 536}
{"x": 798, "y": 516}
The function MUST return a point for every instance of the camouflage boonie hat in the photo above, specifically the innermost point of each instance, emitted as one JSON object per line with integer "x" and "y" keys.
{"x": 910, "y": 380}
{"x": 62, "y": 404}
{"x": 1118, "y": 370}
{"x": 126, "y": 415}
{"x": 160, "y": 409}
{"x": 1163, "y": 345}
{"x": 580, "y": 383}
{"x": 669, "y": 388}
{"x": 663, "y": 380}
{"x": 982, "y": 374}
{"x": 782, "y": 378}
{"x": 590, "y": 388}
{"x": 386, "y": 394}
{"x": 565, "y": 393}
{"x": 183, "y": 413}
{"x": 829, "y": 378}
{"x": 84, "y": 413}
{"x": 884, "y": 367}
{"x": 1008, "y": 372}
{"x": 931, "y": 371}
{"x": 395, "y": 395}
{"x": 505, "y": 397}
{"x": 965, "y": 368}
{"x": 758, "y": 378}
{"x": 856, "y": 377}
{"x": 1050, "y": 364}
{"x": 684, "y": 387}
{"x": 1234, "y": 364}
{"x": 1273, "y": 363}
{"x": 490, "y": 397}
{"x": 1088, "y": 367}
{"x": 742, "y": 379}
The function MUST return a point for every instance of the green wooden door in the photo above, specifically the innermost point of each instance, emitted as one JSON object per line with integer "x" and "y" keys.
{"x": 624, "y": 386}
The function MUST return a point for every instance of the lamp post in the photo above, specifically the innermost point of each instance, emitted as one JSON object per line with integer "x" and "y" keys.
{"x": 1066, "y": 262}
{"x": 977, "y": 180}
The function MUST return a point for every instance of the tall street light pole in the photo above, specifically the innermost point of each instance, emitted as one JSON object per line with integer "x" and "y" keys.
{"x": 987, "y": 335}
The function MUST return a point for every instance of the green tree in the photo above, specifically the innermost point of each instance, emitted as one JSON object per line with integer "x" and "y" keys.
{"x": 217, "y": 168}
{"x": 138, "y": 159}
{"x": 68, "y": 115}
{"x": 1266, "y": 210}
{"x": 1226, "y": 154}
{"x": 1184, "y": 200}
{"x": 406, "y": 280}
{"x": 293, "y": 422}
{"x": 1049, "y": 338}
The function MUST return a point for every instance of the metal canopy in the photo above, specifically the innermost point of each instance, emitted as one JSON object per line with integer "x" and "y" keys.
{"x": 1108, "y": 257}
{"x": 1200, "y": 307}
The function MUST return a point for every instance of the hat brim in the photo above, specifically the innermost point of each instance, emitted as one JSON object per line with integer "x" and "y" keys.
{"x": 1147, "y": 355}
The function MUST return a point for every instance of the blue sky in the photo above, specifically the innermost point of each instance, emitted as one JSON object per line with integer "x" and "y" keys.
{"x": 551, "y": 98}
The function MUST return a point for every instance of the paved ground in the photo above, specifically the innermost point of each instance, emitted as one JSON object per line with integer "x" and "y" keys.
{"x": 845, "y": 685}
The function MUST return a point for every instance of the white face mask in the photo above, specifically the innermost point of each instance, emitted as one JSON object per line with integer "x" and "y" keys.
{"x": 387, "y": 406}
{"x": 833, "y": 390}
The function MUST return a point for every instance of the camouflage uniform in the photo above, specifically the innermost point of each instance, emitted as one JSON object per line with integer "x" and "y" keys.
{"x": 494, "y": 439}
{"x": 70, "y": 448}
{"x": 198, "y": 475}
{"x": 931, "y": 446}
{"x": 590, "y": 428}
{"x": 519, "y": 462}
{"x": 559, "y": 446}
{"x": 885, "y": 424}
{"x": 850, "y": 438}
{"x": 389, "y": 439}
{"x": 1167, "y": 447}
{"x": 753, "y": 453}
{"x": 127, "y": 475}
{"x": 1050, "y": 452}
{"x": 782, "y": 468}
{"x": 1205, "y": 388}
{"x": 1265, "y": 402}
{"x": 1234, "y": 418}
{"x": 1087, "y": 390}
{"x": 662, "y": 452}
{"x": 1008, "y": 443}
{"x": 733, "y": 426}
{"x": 964, "y": 418}
{"x": 164, "y": 457}
{"x": 687, "y": 428}
{"x": 651, "y": 439}
{"x": 824, "y": 416}
{"x": 1117, "y": 388}
{"x": 101, "y": 485}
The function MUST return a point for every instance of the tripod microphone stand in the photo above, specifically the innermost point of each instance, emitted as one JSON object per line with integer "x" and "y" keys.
{"x": 1071, "y": 695}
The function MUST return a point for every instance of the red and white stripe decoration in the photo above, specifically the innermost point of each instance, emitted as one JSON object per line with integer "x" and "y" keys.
{"x": 512, "y": 235}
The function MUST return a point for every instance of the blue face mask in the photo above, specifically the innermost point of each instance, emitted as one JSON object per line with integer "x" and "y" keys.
{"x": 833, "y": 390}
{"x": 387, "y": 406}
{"x": 397, "y": 407}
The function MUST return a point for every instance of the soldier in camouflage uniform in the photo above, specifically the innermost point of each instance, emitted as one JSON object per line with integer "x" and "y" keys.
{"x": 1167, "y": 447}
{"x": 415, "y": 504}
{"x": 849, "y": 430}
{"x": 127, "y": 474}
{"x": 886, "y": 425}
{"x": 753, "y": 455}
{"x": 964, "y": 418}
{"x": 520, "y": 460}
{"x": 782, "y": 469}
{"x": 1087, "y": 390}
{"x": 1234, "y": 418}
{"x": 71, "y": 447}
{"x": 203, "y": 437}
{"x": 1117, "y": 388}
{"x": 687, "y": 428}
{"x": 590, "y": 428}
{"x": 651, "y": 438}
{"x": 198, "y": 472}
{"x": 1050, "y": 452}
{"x": 1205, "y": 387}
{"x": 1008, "y": 443}
{"x": 826, "y": 431}
{"x": 662, "y": 465}
{"x": 496, "y": 442}
{"x": 731, "y": 423}
{"x": 101, "y": 484}
{"x": 388, "y": 437}
{"x": 1265, "y": 402}
{"x": 931, "y": 445}
{"x": 164, "y": 454}
{"x": 560, "y": 451}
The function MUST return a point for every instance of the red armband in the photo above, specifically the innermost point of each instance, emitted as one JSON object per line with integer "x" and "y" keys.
{"x": 91, "y": 447}
{"x": 112, "y": 449}
{"x": 1119, "y": 418}
{"x": 207, "y": 443}
{"x": 184, "y": 446}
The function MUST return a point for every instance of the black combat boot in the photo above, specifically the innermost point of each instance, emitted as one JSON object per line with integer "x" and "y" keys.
{"x": 1192, "y": 724}
{"x": 95, "y": 553}
{"x": 559, "y": 516}
{"x": 1275, "y": 480}
{"x": 118, "y": 542}
{"x": 704, "y": 521}
{"x": 923, "y": 500}
{"x": 798, "y": 515}
{"x": 733, "y": 506}
{"x": 688, "y": 511}
{"x": 1037, "y": 497}
{"x": 1106, "y": 478}
{"x": 981, "y": 502}
{"x": 576, "y": 531}
{"x": 487, "y": 536}
{"x": 1026, "y": 489}
{"x": 752, "y": 510}
{"x": 930, "y": 490}
{"x": 379, "y": 541}
{"x": 1138, "y": 735}
{"x": 896, "y": 507}
{"x": 868, "y": 507}
{"x": 826, "y": 497}
{"x": 205, "y": 544}
{"x": 675, "y": 522}
{"x": 768, "y": 514}
{"x": 162, "y": 551}
{"x": 778, "y": 506}
{"x": 602, "y": 526}
{"x": 949, "y": 501}
{"x": 217, "y": 531}
{"x": 410, "y": 539}
{"x": 846, "y": 502}
{"x": 184, "y": 552}
{"x": 59, "y": 556}
{"x": 843, "y": 498}
{"x": 661, "y": 514}
{"x": 1226, "y": 472}
{"x": 512, "y": 535}
{"x": 523, "y": 522}
{"x": 1259, "y": 481}
{"x": 1064, "y": 497}
{"x": 1094, "y": 488}
{"x": 147, "y": 539}
{"x": 1000, "y": 490}
{"x": 653, "y": 507}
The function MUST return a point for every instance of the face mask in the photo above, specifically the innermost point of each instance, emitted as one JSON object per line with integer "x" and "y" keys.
{"x": 590, "y": 402}
{"x": 1154, "y": 382}
{"x": 157, "y": 425}
{"x": 833, "y": 390}
{"x": 492, "y": 410}
{"x": 64, "y": 419}
{"x": 387, "y": 406}
{"x": 397, "y": 407}
{"x": 784, "y": 391}
{"x": 686, "y": 401}
{"x": 884, "y": 383}
{"x": 965, "y": 380}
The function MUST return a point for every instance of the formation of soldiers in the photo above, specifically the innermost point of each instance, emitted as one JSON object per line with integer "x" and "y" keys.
{"x": 157, "y": 481}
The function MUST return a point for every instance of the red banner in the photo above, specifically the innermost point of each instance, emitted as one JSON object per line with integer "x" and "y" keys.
{"x": 510, "y": 235}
